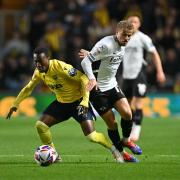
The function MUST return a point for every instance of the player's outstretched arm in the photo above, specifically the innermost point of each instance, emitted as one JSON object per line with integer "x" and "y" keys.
{"x": 87, "y": 67}
{"x": 25, "y": 92}
{"x": 12, "y": 109}
{"x": 82, "y": 54}
{"x": 160, "y": 73}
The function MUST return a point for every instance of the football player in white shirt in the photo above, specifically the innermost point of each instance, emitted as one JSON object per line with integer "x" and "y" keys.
{"x": 106, "y": 94}
{"x": 134, "y": 80}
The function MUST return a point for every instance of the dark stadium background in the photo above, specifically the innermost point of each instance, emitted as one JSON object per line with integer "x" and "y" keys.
{"x": 65, "y": 26}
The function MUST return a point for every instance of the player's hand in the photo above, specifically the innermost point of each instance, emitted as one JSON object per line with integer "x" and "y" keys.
{"x": 91, "y": 84}
{"x": 82, "y": 110}
{"x": 161, "y": 78}
{"x": 83, "y": 53}
{"x": 12, "y": 109}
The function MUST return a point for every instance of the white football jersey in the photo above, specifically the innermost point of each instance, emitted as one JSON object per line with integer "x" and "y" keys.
{"x": 133, "y": 58}
{"x": 110, "y": 54}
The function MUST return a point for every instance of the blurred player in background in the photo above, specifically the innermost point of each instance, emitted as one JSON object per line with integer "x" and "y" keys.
{"x": 105, "y": 94}
{"x": 69, "y": 86}
{"x": 134, "y": 80}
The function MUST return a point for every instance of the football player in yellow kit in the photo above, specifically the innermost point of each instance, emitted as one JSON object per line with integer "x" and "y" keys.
{"x": 72, "y": 99}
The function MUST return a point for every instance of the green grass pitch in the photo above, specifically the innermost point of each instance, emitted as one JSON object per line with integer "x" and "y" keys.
{"x": 84, "y": 160}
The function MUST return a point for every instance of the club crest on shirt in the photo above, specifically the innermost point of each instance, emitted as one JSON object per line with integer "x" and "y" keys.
{"x": 98, "y": 50}
{"x": 72, "y": 72}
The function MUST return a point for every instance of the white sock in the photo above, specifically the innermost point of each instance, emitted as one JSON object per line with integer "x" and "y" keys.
{"x": 135, "y": 133}
{"x": 113, "y": 148}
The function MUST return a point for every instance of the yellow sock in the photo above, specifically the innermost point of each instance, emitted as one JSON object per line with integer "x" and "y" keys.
{"x": 99, "y": 138}
{"x": 44, "y": 133}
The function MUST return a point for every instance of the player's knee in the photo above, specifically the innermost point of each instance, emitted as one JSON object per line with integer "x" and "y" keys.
{"x": 127, "y": 114}
{"x": 93, "y": 136}
{"x": 113, "y": 126}
{"x": 41, "y": 127}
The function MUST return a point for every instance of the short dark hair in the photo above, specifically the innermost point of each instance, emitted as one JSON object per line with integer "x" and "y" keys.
{"x": 39, "y": 50}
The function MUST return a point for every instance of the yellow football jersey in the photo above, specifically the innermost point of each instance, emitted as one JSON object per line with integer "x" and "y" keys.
{"x": 66, "y": 82}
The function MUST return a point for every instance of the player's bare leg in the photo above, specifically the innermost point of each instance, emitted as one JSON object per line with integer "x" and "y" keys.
{"x": 122, "y": 106}
{"x": 113, "y": 133}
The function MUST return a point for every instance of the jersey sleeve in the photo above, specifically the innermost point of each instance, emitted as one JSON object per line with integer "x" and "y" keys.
{"x": 27, "y": 90}
{"x": 85, "y": 93}
{"x": 148, "y": 44}
{"x": 97, "y": 53}
{"x": 76, "y": 75}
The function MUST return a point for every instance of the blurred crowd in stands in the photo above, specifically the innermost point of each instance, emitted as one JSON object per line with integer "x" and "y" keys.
{"x": 66, "y": 26}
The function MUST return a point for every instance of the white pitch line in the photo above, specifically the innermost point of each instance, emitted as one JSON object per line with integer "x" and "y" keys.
{"x": 91, "y": 155}
{"x": 11, "y": 155}
{"x": 165, "y": 155}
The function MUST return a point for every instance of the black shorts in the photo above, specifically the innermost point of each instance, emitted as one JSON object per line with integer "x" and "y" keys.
{"x": 64, "y": 111}
{"x": 135, "y": 87}
{"x": 103, "y": 101}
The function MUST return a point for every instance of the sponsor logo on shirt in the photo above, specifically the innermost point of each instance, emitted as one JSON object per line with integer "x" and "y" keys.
{"x": 116, "y": 59}
{"x": 54, "y": 86}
